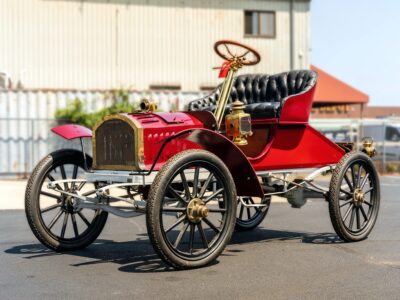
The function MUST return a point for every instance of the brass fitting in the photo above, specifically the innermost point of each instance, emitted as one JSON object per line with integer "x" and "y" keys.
{"x": 147, "y": 106}
{"x": 368, "y": 146}
{"x": 238, "y": 124}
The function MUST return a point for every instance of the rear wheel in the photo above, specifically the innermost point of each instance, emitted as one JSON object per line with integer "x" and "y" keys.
{"x": 248, "y": 218}
{"x": 354, "y": 197}
{"x": 51, "y": 214}
{"x": 191, "y": 209}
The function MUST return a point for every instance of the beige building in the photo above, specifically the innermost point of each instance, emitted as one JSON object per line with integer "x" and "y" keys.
{"x": 143, "y": 44}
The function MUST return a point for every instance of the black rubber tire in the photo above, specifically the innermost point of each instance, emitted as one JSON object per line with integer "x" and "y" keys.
{"x": 32, "y": 204}
{"x": 338, "y": 223}
{"x": 154, "y": 210}
{"x": 255, "y": 220}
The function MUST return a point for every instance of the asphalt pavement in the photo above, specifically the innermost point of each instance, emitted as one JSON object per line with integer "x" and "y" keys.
{"x": 294, "y": 254}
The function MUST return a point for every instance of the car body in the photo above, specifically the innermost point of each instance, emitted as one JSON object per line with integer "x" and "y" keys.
{"x": 201, "y": 171}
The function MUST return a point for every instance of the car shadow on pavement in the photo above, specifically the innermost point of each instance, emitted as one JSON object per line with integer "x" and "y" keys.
{"x": 139, "y": 256}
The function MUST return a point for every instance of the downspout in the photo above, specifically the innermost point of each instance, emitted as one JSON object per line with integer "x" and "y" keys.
{"x": 292, "y": 53}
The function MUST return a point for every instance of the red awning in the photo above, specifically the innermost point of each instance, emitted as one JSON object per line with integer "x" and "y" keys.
{"x": 332, "y": 90}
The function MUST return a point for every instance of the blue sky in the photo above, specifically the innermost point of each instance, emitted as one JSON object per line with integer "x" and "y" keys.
{"x": 358, "y": 41}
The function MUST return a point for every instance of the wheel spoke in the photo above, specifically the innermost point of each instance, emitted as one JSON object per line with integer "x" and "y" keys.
{"x": 191, "y": 238}
{"x": 176, "y": 195}
{"x": 348, "y": 182}
{"x": 49, "y": 195}
{"x": 347, "y": 193}
{"x": 74, "y": 225}
{"x": 363, "y": 213}
{"x": 51, "y": 178}
{"x": 346, "y": 203}
{"x": 202, "y": 235}
{"x": 75, "y": 172}
{"x": 352, "y": 218}
{"x": 241, "y": 210}
{"x": 196, "y": 181}
{"x": 180, "y": 235}
{"x": 353, "y": 177}
{"x": 364, "y": 180}
{"x": 55, "y": 219}
{"x": 215, "y": 194}
{"x": 81, "y": 185}
{"x": 205, "y": 185}
{"x": 64, "y": 176}
{"x": 64, "y": 226}
{"x": 185, "y": 185}
{"x": 359, "y": 175}
{"x": 256, "y": 208}
{"x": 346, "y": 215}
{"x": 369, "y": 204}
{"x": 217, "y": 210}
{"x": 82, "y": 216}
{"x": 358, "y": 218}
{"x": 50, "y": 208}
{"x": 367, "y": 191}
{"x": 248, "y": 213}
{"x": 89, "y": 193}
{"x": 211, "y": 225}
{"x": 174, "y": 209}
{"x": 180, "y": 220}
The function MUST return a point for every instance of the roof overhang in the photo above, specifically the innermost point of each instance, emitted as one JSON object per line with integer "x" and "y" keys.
{"x": 332, "y": 90}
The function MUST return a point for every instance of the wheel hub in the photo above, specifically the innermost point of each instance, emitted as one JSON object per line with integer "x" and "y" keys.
{"x": 196, "y": 210}
{"x": 68, "y": 203}
{"x": 358, "y": 197}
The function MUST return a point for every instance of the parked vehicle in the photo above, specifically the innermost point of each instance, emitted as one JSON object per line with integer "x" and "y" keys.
{"x": 198, "y": 175}
{"x": 387, "y": 139}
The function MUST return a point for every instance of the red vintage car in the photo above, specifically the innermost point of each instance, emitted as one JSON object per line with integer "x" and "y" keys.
{"x": 199, "y": 175}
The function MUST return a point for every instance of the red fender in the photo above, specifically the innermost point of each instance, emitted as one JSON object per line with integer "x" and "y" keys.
{"x": 72, "y": 131}
{"x": 243, "y": 173}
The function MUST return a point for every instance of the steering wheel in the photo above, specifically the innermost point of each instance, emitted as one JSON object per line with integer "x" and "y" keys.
{"x": 228, "y": 56}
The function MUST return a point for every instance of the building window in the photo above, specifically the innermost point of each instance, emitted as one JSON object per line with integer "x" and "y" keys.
{"x": 259, "y": 24}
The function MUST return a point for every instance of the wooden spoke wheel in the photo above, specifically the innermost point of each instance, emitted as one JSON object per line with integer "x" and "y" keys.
{"x": 191, "y": 209}
{"x": 51, "y": 215}
{"x": 354, "y": 197}
{"x": 248, "y": 218}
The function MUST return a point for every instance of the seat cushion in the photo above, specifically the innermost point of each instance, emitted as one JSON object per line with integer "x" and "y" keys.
{"x": 263, "y": 95}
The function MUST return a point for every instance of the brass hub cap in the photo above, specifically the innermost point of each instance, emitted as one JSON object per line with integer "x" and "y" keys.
{"x": 358, "y": 197}
{"x": 196, "y": 210}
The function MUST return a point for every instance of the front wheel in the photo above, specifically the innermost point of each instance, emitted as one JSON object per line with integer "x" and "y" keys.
{"x": 50, "y": 214}
{"x": 354, "y": 197}
{"x": 191, "y": 209}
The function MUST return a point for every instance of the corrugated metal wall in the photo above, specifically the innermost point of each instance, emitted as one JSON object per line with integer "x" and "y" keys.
{"x": 89, "y": 44}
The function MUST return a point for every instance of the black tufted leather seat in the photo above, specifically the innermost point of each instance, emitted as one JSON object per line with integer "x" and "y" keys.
{"x": 263, "y": 95}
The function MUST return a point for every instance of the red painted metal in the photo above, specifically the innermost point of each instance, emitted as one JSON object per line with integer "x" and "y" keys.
{"x": 157, "y": 127}
{"x": 297, "y": 146}
{"x": 72, "y": 131}
{"x": 226, "y": 65}
{"x": 296, "y": 109}
{"x": 242, "y": 172}
{"x": 206, "y": 117}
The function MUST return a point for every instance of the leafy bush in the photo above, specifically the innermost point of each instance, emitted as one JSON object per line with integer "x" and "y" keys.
{"x": 75, "y": 112}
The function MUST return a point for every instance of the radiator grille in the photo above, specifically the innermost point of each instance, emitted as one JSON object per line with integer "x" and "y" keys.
{"x": 114, "y": 145}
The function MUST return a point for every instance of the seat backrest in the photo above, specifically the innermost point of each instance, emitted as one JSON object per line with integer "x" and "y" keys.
{"x": 261, "y": 88}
